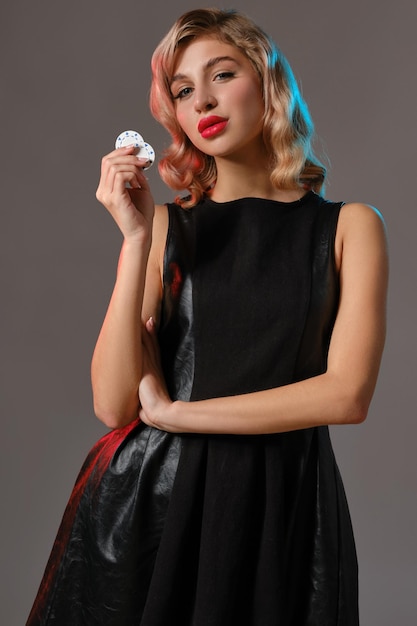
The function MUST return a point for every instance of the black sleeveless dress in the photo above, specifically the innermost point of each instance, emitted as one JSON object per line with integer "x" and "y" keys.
{"x": 213, "y": 530}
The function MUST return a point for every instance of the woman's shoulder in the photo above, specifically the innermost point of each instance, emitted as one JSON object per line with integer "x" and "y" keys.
{"x": 361, "y": 211}
{"x": 360, "y": 217}
{"x": 360, "y": 226}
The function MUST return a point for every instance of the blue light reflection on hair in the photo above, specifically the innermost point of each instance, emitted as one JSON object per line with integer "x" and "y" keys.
{"x": 296, "y": 106}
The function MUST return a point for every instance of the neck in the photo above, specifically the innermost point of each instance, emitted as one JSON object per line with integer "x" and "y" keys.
{"x": 240, "y": 180}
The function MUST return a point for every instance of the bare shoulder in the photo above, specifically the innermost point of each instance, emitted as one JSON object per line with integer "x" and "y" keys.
{"x": 361, "y": 227}
{"x": 355, "y": 214}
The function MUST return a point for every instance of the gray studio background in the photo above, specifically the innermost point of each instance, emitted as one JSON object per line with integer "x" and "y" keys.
{"x": 75, "y": 74}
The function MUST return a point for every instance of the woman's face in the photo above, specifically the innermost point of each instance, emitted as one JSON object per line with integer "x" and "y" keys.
{"x": 218, "y": 99}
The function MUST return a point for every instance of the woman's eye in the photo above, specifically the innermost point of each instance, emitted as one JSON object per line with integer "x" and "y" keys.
{"x": 182, "y": 93}
{"x": 224, "y": 75}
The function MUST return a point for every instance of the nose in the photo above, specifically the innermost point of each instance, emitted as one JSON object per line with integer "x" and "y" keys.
{"x": 204, "y": 100}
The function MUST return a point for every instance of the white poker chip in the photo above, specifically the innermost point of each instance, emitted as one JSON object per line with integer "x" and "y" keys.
{"x": 129, "y": 138}
{"x": 146, "y": 152}
{"x": 133, "y": 138}
{"x": 150, "y": 151}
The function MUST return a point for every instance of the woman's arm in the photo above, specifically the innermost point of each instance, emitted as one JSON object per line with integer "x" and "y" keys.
{"x": 117, "y": 360}
{"x": 339, "y": 396}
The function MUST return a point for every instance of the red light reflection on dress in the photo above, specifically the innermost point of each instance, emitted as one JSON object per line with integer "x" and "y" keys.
{"x": 176, "y": 280}
{"x": 92, "y": 471}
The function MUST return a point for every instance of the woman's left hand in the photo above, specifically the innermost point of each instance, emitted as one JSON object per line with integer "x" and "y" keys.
{"x": 153, "y": 395}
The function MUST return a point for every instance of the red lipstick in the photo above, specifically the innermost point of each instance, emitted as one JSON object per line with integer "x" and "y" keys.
{"x": 211, "y": 125}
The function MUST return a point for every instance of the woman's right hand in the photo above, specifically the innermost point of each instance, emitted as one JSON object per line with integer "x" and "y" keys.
{"x": 124, "y": 191}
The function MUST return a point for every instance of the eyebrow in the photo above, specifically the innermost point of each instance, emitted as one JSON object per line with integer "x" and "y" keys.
{"x": 210, "y": 63}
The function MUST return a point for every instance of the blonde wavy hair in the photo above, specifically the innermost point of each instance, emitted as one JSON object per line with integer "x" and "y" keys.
{"x": 287, "y": 129}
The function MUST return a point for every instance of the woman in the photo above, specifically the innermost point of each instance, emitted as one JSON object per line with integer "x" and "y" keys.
{"x": 246, "y": 318}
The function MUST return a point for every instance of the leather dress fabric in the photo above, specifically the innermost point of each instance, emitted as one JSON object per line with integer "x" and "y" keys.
{"x": 213, "y": 530}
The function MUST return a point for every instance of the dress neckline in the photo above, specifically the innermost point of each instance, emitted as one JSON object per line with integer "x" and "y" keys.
{"x": 253, "y": 199}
